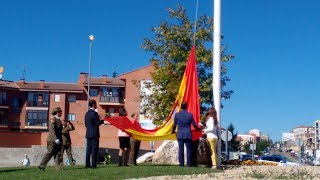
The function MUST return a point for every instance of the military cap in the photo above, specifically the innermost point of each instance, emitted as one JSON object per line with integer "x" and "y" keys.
{"x": 55, "y": 110}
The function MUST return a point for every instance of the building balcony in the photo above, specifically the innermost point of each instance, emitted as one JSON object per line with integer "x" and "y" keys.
{"x": 36, "y": 124}
{"x": 37, "y": 104}
{"x": 110, "y": 100}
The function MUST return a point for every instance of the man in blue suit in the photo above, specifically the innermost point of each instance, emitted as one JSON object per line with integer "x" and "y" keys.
{"x": 184, "y": 119}
{"x": 92, "y": 123}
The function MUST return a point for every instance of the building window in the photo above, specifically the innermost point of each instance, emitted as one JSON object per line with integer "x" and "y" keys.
{"x": 3, "y": 98}
{"x": 16, "y": 102}
{"x": 72, "y": 98}
{"x": 57, "y": 98}
{"x": 93, "y": 92}
{"x": 71, "y": 117}
{"x": 38, "y": 99}
{"x": 112, "y": 94}
{"x": 3, "y": 117}
{"x": 37, "y": 118}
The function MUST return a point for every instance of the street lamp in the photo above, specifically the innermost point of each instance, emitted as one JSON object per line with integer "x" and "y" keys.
{"x": 91, "y": 38}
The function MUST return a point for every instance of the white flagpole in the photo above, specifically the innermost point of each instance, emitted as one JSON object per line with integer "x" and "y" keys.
{"x": 217, "y": 68}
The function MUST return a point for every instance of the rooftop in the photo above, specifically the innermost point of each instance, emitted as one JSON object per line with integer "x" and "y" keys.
{"x": 8, "y": 84}
{"x": 52, "y": 86}
{"x": 105, "y": 81}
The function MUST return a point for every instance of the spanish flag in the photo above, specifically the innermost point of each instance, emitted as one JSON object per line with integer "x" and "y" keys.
{"x": 188, "y": 92}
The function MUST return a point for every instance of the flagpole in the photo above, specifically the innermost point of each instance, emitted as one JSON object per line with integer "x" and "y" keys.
{"x": 217, "y": 68}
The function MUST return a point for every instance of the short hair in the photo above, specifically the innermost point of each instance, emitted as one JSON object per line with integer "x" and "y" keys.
{"x": 132, "y": 115}
{"x": 92, "y": 102}
{"x": 55, "y": 110}
{"x": 184, "y": 105}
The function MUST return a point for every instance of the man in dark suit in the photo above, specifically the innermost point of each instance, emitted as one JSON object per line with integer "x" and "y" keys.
{"x": 184, "y": 120}
{"x": 92, "y": 123}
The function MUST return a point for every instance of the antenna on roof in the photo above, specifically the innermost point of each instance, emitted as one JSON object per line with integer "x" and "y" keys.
{"x": 115, "y": 73}
{"x": 23, "y": 77}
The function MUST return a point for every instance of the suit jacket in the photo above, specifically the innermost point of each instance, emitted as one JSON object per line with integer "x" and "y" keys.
{"x": 66, "y": 139}
{"x": 55, "y": 129}
{"x": 92, "y": 123}
{"x": 184, "y": 120}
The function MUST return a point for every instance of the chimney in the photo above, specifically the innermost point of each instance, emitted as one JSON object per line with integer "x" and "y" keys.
{"x": 105, "y": 79}
{"x": 82, "y": 78}
{"x": 42, "y": 84}
{"x": 22, "y": 81}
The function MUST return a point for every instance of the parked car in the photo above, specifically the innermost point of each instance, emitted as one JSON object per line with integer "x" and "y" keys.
{"x": 246, "y": 157}
{"x": 275, "y": 158}
{"x": 308, "y": 161}
{"x": 233, "y": 155}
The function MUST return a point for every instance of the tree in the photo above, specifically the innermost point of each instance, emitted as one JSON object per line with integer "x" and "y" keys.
{"x": 170, "y": 47}
{"x": 260, "y": 147}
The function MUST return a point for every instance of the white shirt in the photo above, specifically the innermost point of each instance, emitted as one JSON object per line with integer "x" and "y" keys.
{"x": 211, "y": 129}
{"x": 122, "y": 134}
{"x": 26, "y": 161}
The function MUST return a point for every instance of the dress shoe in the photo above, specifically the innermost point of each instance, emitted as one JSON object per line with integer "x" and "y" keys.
{"x": 41, "y": 168}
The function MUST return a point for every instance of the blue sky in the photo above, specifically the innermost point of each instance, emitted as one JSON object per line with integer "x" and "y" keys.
{"x": 274, "y": 75}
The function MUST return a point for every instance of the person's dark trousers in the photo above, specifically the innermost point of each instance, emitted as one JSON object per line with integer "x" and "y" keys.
{"x": 194, "y": 153}
{"x": 134, "y": 151}
{"x": 92, "y": 150}
{"x": 181, "y": 151}
{"x": 52, "y": 150}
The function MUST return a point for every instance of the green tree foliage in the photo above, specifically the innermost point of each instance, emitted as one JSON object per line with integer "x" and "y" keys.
{"x": 246, "y": 148}
{"x": 260, "y": 147}
{"x": 170, "y": 48}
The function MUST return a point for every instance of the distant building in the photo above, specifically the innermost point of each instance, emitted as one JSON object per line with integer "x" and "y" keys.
{"x": 317, "y": 134}
{"x": 256, "y": 133}
{"x": 305, "y": 134}
{"x": 244, "y": 139}
{"x": 288, "y": 137}
{"x": 264, "y": 137}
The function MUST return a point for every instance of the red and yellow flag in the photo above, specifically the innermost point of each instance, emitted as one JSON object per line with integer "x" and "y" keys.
{"x": 188, "y": 92}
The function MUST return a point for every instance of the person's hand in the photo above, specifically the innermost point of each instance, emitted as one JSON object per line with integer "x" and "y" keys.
{"x": 57, "y": 141}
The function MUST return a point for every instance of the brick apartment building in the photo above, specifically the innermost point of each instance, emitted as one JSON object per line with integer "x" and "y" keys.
{"x": 25, "y": 107}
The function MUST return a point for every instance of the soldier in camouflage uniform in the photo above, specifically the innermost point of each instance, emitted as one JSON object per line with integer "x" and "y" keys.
{"x": 66, "y": 140}
{"x": 54, "y": 140}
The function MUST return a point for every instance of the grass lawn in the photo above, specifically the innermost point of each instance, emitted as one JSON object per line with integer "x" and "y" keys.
{"x": 102, "y": 172}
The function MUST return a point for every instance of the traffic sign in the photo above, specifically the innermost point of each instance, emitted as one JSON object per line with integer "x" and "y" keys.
{"x": 226, "y": 136}
{"x": 253, "y": 146}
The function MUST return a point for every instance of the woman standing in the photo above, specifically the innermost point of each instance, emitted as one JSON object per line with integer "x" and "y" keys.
{"x": 124, "y": 141}
{"x": 212, "y": 137}
{"x": 135, "y": 144}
